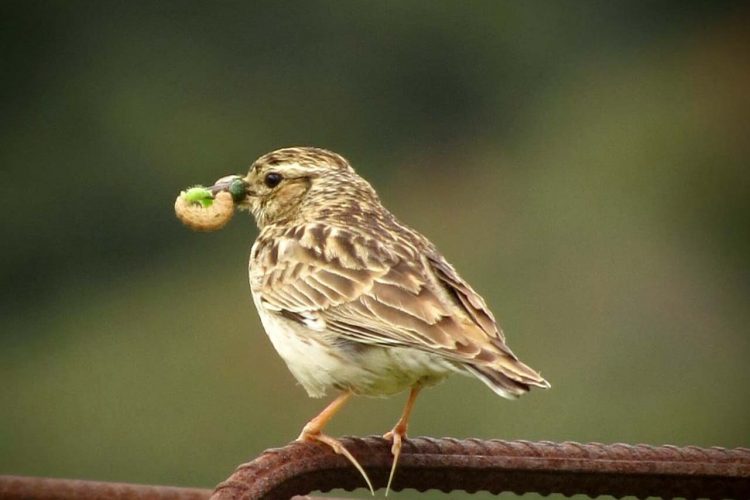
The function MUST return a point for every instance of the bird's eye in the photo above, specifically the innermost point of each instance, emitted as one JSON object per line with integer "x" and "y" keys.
{"x": 272, "y": 179}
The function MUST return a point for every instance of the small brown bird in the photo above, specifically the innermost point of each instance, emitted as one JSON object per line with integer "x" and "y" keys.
{"x": 354, "y": 301}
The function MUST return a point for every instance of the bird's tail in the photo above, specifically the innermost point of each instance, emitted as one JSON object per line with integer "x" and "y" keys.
{"x": 507, "y": 376}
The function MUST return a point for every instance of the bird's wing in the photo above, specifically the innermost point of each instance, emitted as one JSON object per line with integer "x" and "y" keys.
{"x": 378, "y": 292}
{"x": 470, "y": 301}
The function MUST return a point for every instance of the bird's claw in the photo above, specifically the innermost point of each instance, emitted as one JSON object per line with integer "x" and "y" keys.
{"x": 396, "y": 435}
{"x": 338, "y": 448}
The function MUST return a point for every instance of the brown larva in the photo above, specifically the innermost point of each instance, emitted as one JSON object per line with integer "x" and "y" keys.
{"x": 199, "y": 218}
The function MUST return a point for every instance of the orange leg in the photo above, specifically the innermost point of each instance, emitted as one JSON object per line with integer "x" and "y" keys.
{"x": 313, "y": 431}
{"x": 399, "y": 432}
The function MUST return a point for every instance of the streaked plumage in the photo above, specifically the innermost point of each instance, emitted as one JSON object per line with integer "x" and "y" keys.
{"x": 356, "y": 302}
{"x": 353, "y": 300}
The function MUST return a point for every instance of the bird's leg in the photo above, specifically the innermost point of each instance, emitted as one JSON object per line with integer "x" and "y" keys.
{"x": 399, "y": 432}
{"x": 313, "y": 431}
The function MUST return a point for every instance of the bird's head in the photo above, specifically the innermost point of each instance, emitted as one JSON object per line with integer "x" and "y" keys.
{"x": 291, "y": 184}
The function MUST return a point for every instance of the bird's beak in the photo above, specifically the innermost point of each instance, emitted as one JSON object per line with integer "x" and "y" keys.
{"x": 234, "y": 185}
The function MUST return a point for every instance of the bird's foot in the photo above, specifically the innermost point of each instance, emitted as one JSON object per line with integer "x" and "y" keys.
{"x": 336, "y": 446}
{"x": 397, "y": 435}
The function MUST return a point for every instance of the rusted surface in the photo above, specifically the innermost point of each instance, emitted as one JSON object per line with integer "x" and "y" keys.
{"x": 446, "y": 464}
{"x": 27, "y": 488}
{"x": 495, "y": 466}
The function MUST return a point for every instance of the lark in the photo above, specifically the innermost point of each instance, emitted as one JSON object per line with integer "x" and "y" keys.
{"x": 354, "y": 301}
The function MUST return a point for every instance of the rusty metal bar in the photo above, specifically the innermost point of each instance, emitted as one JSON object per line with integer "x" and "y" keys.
{"x": 446, "y": 464}
{"x": 496, "y": 466}
{"x": 36, "y": 488}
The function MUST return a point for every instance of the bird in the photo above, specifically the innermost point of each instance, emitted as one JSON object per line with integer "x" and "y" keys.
{"x": 355, "y": 302}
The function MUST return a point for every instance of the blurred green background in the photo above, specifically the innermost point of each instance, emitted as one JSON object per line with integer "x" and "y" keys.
{"x": 585, "y": 165}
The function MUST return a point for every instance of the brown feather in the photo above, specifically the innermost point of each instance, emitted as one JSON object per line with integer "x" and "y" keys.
{"x": 335, "y": 252}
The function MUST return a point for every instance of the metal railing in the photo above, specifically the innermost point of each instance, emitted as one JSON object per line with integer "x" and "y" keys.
{"x": 447, "y": 465}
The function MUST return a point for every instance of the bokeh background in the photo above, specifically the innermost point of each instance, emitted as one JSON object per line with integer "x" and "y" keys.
{"x": 585, "y": 165}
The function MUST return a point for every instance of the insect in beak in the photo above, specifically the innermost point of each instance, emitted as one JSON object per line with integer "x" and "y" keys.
{"x": 234, "y": 185}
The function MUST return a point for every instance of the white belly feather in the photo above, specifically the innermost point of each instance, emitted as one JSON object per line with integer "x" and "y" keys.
{"x": 372, "y": 370}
